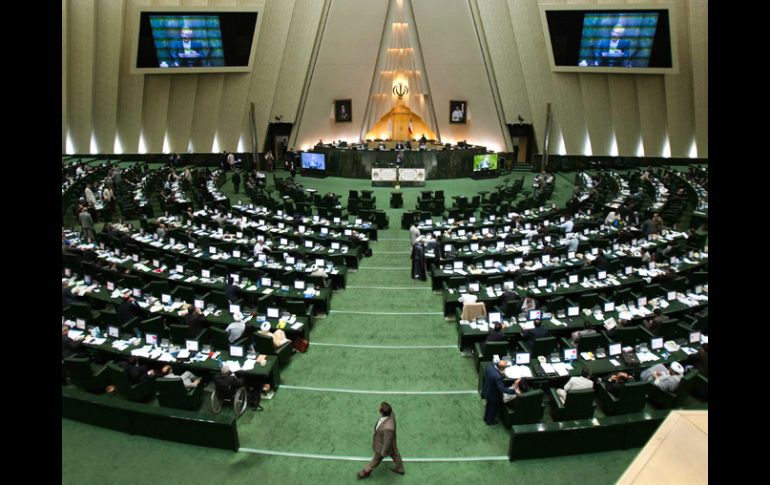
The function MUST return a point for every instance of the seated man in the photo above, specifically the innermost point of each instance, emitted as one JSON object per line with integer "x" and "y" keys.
{"x": 653, "y": 324}
{"x": 236, "y": 329}
{"x": 519, "y": 386}
{"x": 664, "y": 379}
{"x": 189, "y": 379}
{"x": 279, "y": 337}
{"x": 496, "y": 334}
{"x": 226, "y": 384}
{"x": 577, "y": 383}
{"x": 69, "y": 346}
{"x": 538, "y": 332}
{"x": 135, "y": 371}
{"x": 578, "y": 334}
{"x": 67, "y": 297}
{"x": 616, "y": 382}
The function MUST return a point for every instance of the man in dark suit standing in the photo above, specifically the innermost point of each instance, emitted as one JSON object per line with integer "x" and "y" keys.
{"x": 493, "y": 390}
{"x": 614, "y": 52}
{"x": 236, "y": 181}
{"x": 384, "y": 443}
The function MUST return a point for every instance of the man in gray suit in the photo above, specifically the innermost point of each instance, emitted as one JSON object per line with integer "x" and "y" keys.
{"x": 384, "y": 443}
{"x": 87, "y": 223}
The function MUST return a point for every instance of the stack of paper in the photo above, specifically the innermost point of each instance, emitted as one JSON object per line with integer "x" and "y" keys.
{"x": 249, "y": 364}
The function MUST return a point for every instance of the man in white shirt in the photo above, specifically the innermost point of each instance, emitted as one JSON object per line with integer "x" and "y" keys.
{"x": 414, "y": 233}
{"x": 572, "y": 242}
{"x": 189, "y": 379}
{"x": 577, "y": 383}
{"x": 235, "y": 330}
{"x": 90, "y": 197}
{"x": 664, "y": 379}
{"x": 567, "y": 226}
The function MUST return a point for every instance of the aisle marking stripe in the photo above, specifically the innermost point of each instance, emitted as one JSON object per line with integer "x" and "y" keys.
{"x": 385, "y": 313}
{"x": 389, "y": 287}
{"x": 353, "y": 346}
{"x": 359, "y": 391}
{"x": 384, "y": 267}
{"x": 369, "y": 458}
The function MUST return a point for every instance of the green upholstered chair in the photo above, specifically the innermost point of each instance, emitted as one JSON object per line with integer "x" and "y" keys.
{"x": 184, "y": 293}
{"x": 578, "y": 405}
{"x": 483, "y": 351}
{"x": 527, "y": 408}
{"x": 668, "y": 400}
{"x": 631, "y": 399}
{"x": 672, "y": 329}
{"x": 142, "y": 391}
{"x": 589, "y": 343}
{"x": 264, "y": 345}
{"x": 218, "y": 338}
{"x": 79, "y": 310}
{"x": 632, "y": 335}
{"x": 180, "y": 333}
{"x": 156, "y": 325}
{"x": 700, "y": 387}
{"x": 541, "y": 346}
{"x": 173, "y": 394}
{"x": 83, "y": 375}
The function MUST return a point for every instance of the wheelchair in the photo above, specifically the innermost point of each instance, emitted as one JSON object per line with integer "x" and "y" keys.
{"x": 239, "y": 399}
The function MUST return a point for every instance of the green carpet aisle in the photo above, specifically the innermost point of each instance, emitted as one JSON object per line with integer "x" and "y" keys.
{"x": 359, "y": 356}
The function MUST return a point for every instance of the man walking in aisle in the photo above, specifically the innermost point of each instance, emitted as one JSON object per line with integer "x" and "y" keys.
{"x": 384, "y": 443}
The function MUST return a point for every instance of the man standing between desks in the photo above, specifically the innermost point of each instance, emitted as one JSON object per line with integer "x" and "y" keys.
{"x": 384, "y": 443}
{"x": 494, "y": 389}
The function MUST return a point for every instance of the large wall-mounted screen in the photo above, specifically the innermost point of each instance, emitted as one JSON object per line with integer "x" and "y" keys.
{"x": 195, "y": 41}
{"x": 625, "y": 39}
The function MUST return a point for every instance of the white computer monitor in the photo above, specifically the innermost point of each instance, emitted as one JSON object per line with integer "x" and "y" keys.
{"x": 542, "y": 282}
{"x": 179, "y": 268}
{"x": 212, "y": 250}
{"x": 113, "y": 331}
{"x": 110, "y": 286}
{"x": 522, "y": 358}
{"x": 236, "y": 278}
{"x": 206, "y": 273}
{"x": 284, "y": 241}
{"x": 236, "y": 253}
{"x": 656, "y": 343}
{"x": 348, "y": 232}
{"x": 151, "y": 339}
{"x": 615, "y": 349}
{"x": 447, "y": 248}
{"x": 609, "y": 306}
{"x": 534, "y": 315}
{"x": 571, "y": 254}
{"x": 281, "y": 225}
{"x": 570, "y": 355}
{"x": 518, "y": 261}
{"x": 335, "y": 245}
{"x": 495, "y": 317}
{"x": 573, "y": 311}
{"x": 299, "y": 285}
{"x": 87, "y": 279}
{"x": 484, "y": 231}
{"x": 359, "y": 221}
{"x": 80, "y": 324}
{"x": 301, "y": 228}
{"x": 290, "y": 260}
{"x": 336, "y": 220}
{"x": 451, "y": 220}
{"x": 474, "y": 246}
{"x": 641, "y": 301}
{"x": 461, "y": 232}
{"x": 525, "y": 242}
{"x": 308, "y": 243}
{"x": 262, "y": 257}
{"x": 545, "y": 258}
{"x": 191, "y": 345}
{"x": 594, "y": 251}
{"x": 694, "y": 337}
{"x": 199, "y": 304}
{"x": 508, "y": 285}
{"x": 471, "y": 220}
{"x": 135, "y": 258}
{"x": 601, "y": 275}
{"x": 190, "y": 245}
{"x": 489, "y": 263}
{"x": 165, "y": 298}
{"x": 457, "y": 264}
{"x": 473, "y": 287}
{"x": 324, "y": 230}
{"x": 698, "y": 289}
{"x": 500, "y": 244}
{"x": 628, "y": 270}
{"x": 137, "y": 292}
{"x": 265, "y": 281}
{"x": 573, "y": 279}
{"x": 235, "y": 308}
{"x": 272, "y": 312}
{"x": 671, "y": 295}
{"x": 236, "y": 351}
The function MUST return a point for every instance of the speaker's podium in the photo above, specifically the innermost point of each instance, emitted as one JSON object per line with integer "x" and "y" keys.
{"x": 485, "y": 174}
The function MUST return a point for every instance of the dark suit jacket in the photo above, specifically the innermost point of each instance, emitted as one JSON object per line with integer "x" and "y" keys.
{"x": 493, "y": 385}
{"x": 231, "y": 292}
{"x": 127, "y": 310}
{"x": 135, "y": 373}
{"x": 535, "y": 333}
{"x": 495, "y": 336}
{"x": 384, "y": 440}
{"x": 195, "y": 323}
{"x": 68, "y": 346}
{"x": 603, "y": 46}
{"x": 177, "y": 51}
{"x": 67, "y": 297}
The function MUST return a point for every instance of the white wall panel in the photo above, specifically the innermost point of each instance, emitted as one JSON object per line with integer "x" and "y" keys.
{"x": 80, "y": 83}
{"x": 109, "y": 32}
{"x": 699, "y": 58}
{"x": 679, "y": 94}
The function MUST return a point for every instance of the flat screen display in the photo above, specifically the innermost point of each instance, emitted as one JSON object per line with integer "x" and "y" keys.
{"x": 180, "y": 41}
{"x": 619, "y": 39}
{"x": 314, "y": 161}
{"x": 486, "y": 161}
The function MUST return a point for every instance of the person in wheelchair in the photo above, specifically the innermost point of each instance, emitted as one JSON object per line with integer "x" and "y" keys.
{"x": 227, "y": 384}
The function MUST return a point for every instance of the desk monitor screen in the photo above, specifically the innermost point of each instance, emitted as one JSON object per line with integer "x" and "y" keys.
{"x": 151, "y": 339}
{"x": 68, "y": 272}
{"x": 165, "y": 298}
{"x": 262, "y": 257}
{"x": 313, "y": 161}
{"x": 235, "y": 308}
{"x": 236, "y": 278}
{"x": 461, "y": 232}
{"x": 80, "y": 324}
{"x": 474, "y": 246}
{"x": 301, "y": 228}
{"x": 594, "y": 251}
{"x": 494, "y": 317}
{"x": 348, "y": 232}
{"x": 179, "y": 268}
{"x": 641, "y": 301}
{"x": 573, "y": 279}
{"x": 284, "y": 241}
{"x": 272, "y": 312}
{"x": 485, "y": 230}
{"x": 451, "y": 220}
{"x": 206, "y": 273}
{"x": 457, "y": 264}
{"x": 609, "y": 306}
{"x": 656, "y": 343}
{"x": 236, "y": 253}
{"x": 265, "y": 281}
{"x": 615, "y": 349}
{"x": 87, "y": 279}
{"x": 671, "y": 295}
{"x": 471, "y": 220}
{"x": 281, "y": 225}
{"x": 290, "y": 260}
{"x": 628, "y": 270}
{"x": 308, "y": 243}
{"x": 601, "y": 275}
{"x": 336, "y": 220}
{"x": 545, "y": 258}
{"x": 135, "y": 258}
{"x": 113, "y": 331}
{"x": 110, "y": 286}
{"x": 324, "y": 230}
{"x": 137, "y": 292}
{"x": 518, "y": 261}
{"x": 522, "y": 358}
{"x": 320, "y": 263}
{"x": 335, "y": 245}
{"x": 448, "y": 248}
{"x": 485, "y": 161}
{"x": 694, "y": 337}
{"x": 473, "y": 287}
{"x": 491, "y": 217}
{"x": 534, "y": 315}
{"x": 489, "y": 263}
{"x": 190, "y": 245}
{"x": 359, "y": 221}
{"x": 212, "y": 250}
{"x": 236, "y": 351}
{"x": 571, "y": 254}
{"x": 525, "y": 242}
{"x": 527, "y": 225}
{"x": 299, "y": 285}
{"x": 508, "y": 285}
{"x": 200, "y": 304}
{"x": 542, "y": 282}
{"x": 699, "y": 289}
{"x": 191, "y": 345}
{"x": 573, "y": 311}
{"x": 570, "y": 355}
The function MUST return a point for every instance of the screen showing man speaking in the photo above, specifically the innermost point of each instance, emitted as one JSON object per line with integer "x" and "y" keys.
{"x": 618, "y": 39}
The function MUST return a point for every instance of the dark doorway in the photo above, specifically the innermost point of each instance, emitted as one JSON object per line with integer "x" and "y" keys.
{"x": 523, "y": 141}
{"x": 277, "y": 140}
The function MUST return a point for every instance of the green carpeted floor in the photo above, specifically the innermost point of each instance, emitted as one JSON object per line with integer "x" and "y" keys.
{"x": 328, "y": 422}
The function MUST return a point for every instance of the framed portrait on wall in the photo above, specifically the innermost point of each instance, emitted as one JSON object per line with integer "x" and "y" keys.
{"x": 343, "y": 110}
{"x": 457, "y": 111}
